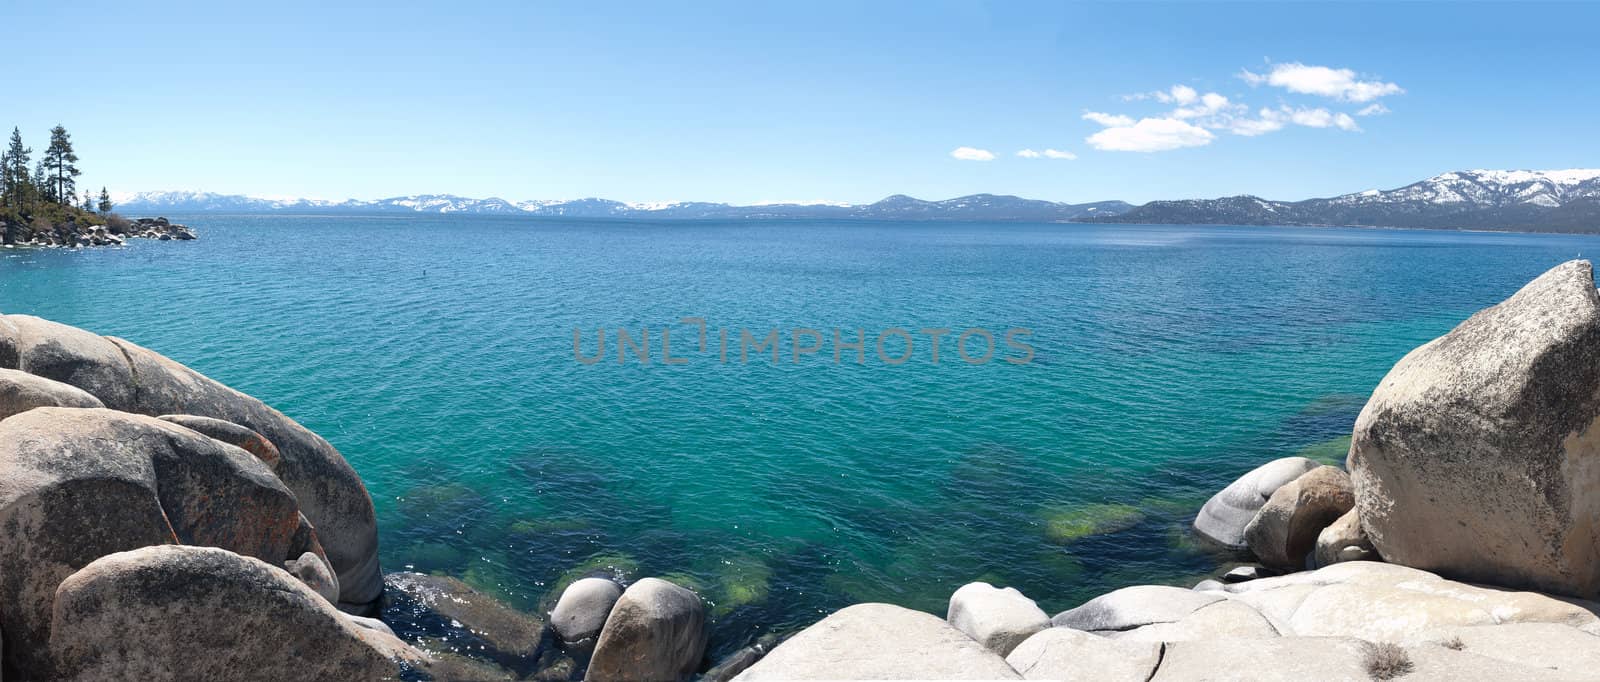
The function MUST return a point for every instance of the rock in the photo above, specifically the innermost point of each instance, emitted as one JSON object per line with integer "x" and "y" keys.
{"x": 200, "y": 613}
{"x": 1278, "y": 659}
{"x": 1207, "y": 585}
{"x": 1389, "y": 603}
{"x": 879, "y": 641}
{"x": 1068, "y": 655}
{"x": 1343, "y": 541}
{"x": 741, "y": 660}
{"x": 230, "y": 433}
{"x": 656, "y": 631}
{"x": 1136, "y": 606}
{"x": 79, "y": 484}
{"x": 1434, "y": 662}
{"x": 581, "y": 612}
{"x": 1537, "y": 645}
{"x": 1224, "y": 517}
{"x": 1223, "y": 619}
{"x": 314, "y": 571}
{"x": 21, "y": 391}
{"x": 512, "y": 637}
{"x": 1285, "y": 531}
{"x": 1239, "y": 574}
{"x": 998, "y": 618}
{"x": 129, "y": 378}
{"x": 1477, "y": 456}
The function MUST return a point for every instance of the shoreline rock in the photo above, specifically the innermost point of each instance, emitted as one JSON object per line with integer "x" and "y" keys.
{"x": 113, "y": 230}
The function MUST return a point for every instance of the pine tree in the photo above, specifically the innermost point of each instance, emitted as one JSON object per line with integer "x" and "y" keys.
{"x": 105, "y": 201}
{"x": 42, "y": 184}
{"x": 61, "y": 162}
{"x": 15, "y": 185}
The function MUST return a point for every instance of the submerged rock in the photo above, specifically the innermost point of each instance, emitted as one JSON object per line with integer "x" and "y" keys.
{"x": 1285, "y": 531}
{"x": 1478, "y": 456}
{"x": 1224, "y": 517}
{"x": 124, "y": 376}
{"x": 656, "y": 631}
{"x": 200, "y": 613}
{"x": 998, "y": 618}
{"x": 882, "y": 642}
{"x": 512, "y": 637}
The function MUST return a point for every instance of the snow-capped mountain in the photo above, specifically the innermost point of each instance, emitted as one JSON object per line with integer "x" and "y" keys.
{"x": 1554, "y": 201}
{"x": 898, "y": 207}
{"x": 1485, "y": 188}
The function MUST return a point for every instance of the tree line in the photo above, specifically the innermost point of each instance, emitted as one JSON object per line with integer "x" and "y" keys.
{"x": 52, "y": 182}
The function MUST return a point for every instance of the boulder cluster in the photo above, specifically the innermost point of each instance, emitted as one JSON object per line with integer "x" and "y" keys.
{"x": 140, "y": 499}
{"x": 1460, "y": 542}
{"x": 115, "y": 231}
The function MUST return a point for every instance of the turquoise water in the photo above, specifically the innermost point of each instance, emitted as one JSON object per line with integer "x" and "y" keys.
{"x": 437, "y": 353}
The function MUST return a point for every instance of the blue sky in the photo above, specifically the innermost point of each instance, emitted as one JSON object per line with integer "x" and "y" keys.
{"x": 751, "y": 102}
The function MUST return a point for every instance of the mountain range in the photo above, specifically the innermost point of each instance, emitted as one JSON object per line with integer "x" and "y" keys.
{"x": 1534, "y": 201}
{"x": 980, "y": 207}
{"x": 1540, "y": 201}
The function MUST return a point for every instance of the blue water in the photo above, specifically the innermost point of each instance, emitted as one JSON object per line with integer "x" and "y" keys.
{"x": 437, "y": 353}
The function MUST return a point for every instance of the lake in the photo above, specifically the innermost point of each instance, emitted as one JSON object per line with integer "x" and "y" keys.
{"x": 437, "y": 353}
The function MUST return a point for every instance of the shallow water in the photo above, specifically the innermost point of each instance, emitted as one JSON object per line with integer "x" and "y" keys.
{"x": 437, "y": 353}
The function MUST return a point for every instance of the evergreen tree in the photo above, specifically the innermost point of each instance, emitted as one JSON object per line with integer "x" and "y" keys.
{"x": 42, "y": 185}
{"x": 61, "y": 163}
{"x": 105, "y": 201}
{"x": 14, "y": 182}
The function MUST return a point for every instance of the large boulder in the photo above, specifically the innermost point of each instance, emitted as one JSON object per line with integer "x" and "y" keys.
{"x": 1068, "y": 655}
{"x": 127, "y": 377}
{"x": 1285, "y": 531}
{"x": 79, "y": 484}
{"x": 1133, "y": 607}
{"x": 1343, "y": 540}
{"x": 1478, "y": 456}
{"x": 21, "y": 391}
{"x": 580, "y": 614}
{"x": 1541, "y": 645}
{"x": 1380, "y": 602}
{"x": 1226, "y": 618}
{"x": 998, "y": 618}
{"x": 1224, "y": 517}
{"x": 656, "y": 631}
{"x": 199, "y": 613}
{"x": 1278, "y": 659}
{"x": 879, "y": 642}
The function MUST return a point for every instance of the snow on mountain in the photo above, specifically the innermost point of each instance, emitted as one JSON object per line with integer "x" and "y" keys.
{"x": 1553, "y": 200}
{"x": 898, "y": 207}
{"x": 1489, "y": 188}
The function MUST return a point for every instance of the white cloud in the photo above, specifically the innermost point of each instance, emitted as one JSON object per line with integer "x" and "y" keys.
{"x": 1340, "y": 84}
{"x": 1150, "y": 135}
{"x": 1374, "y": 109}
{"x": 972, "y": 154}
{"x": 1108, "y": 120}
{"x": 1047, "y": 154}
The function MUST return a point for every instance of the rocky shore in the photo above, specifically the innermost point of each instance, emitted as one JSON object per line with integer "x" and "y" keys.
{"x": 111, "y": 231}
{"x": 157, "y": 525}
